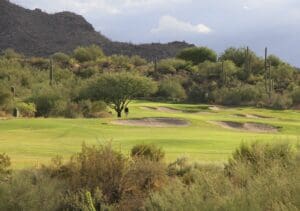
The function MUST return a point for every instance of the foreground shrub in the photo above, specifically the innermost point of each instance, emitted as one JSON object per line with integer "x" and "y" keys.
{"x": 5, "y": 170}
{"x": 257, "y": 177}
{"x": 30, "y": 190}
{"x": 150, "y": 152}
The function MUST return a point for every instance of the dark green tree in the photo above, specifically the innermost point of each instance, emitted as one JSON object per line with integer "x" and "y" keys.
{"x": 198, "y": 55}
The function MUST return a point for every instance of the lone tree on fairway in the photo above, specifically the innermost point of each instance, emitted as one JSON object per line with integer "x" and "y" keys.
{"x": 118, "y": 89}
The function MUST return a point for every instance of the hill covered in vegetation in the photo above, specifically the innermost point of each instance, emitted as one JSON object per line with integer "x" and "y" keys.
{"x": 36, "y": 33}
{"x": 83, "y": 83}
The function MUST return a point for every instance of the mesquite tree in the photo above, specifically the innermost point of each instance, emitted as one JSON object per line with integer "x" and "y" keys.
{"x": 118, "y": 89}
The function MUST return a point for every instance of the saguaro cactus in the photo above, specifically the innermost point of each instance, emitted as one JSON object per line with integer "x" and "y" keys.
{"x": 269, "y": 84}
{"x": 51, "y": 73}
{"x": 155, "y": 64}
{"x": 13, "y": 91}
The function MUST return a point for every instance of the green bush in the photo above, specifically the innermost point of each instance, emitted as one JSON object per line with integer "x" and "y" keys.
{"x": 280, "y": 101}
{"x": 171, "y": 89}
{"x": 85, "y": 54}
{"x": 296, "y": 96}
{"x": 26, "y": 109}
{"x": 198, "y": 55}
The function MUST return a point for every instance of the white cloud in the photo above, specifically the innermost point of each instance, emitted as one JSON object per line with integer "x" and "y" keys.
{"x": 169, "y": 24}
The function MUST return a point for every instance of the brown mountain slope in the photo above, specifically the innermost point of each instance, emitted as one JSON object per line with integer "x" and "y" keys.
{"x": 36, "y": 33}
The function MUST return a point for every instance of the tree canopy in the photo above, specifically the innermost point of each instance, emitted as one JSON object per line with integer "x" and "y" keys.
{"x": 118, "y": 89}
{"x": 198, "y": 55}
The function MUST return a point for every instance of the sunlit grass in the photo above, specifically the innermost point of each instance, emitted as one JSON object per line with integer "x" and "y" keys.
{"x": 35, "y": 141}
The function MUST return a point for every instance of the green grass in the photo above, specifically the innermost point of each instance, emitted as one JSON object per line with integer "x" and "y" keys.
{"x": 34, "y": 141}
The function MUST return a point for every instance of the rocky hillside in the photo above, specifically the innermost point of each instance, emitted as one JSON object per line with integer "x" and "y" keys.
{"x": 36, "y": 33}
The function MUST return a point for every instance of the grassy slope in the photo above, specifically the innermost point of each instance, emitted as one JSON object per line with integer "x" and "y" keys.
{"x": 33, "y": 141}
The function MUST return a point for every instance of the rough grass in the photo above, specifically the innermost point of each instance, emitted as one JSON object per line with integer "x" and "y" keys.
{"x": 34, "y": 141}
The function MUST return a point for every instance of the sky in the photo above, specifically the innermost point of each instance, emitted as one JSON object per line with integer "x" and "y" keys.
{"x": 217, "y": 24}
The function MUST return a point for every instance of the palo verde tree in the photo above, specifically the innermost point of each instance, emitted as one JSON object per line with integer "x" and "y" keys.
{"x": 118, "y": 89}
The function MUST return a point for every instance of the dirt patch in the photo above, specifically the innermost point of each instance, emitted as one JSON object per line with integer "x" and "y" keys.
{"x": 154, "y": 122}
{"x": 248, "y": 126}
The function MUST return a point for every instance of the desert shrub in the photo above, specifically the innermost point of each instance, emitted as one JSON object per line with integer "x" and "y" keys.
{"x": 11, "y": 54}
{"x": 30, "y": 190}
{"x": 171, "y": 66}
{"x": 87, "y": 72}
{"x": 94, "y": 109}
{"x": 138, "y": 61}
{"x": 257, "y": 177}
{"x": 83, "y": 200}
{"x": 85, "y": 54}
{"x": 250, "y": 160}
{"x": 5, "y": 170}
{"x": 62, "y": 59}
{"x": 142, "y": 177}
{"x": 48, "y": 101}
{"x": 26, "y": 109}
{"x": 296, "y": 96}
{"x": 5, "y": 97}
{"x": 95, "y": 168}
{"x": 171, "y": 89}
{"x": 72, "y": 110}
{"x": 44, "y": 104}
{"x": 39, "y": 63}
{"x": 149, "y": 152}
{"x": 247, "y": 95}
{"x": 280, "y": 101}
{"x": 197, "y": 94}
{"x": 198, "y": 55}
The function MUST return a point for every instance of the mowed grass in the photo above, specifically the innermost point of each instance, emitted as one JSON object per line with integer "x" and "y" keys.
{"x": 32, "y": 142}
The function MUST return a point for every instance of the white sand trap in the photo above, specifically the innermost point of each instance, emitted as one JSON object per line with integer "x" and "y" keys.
{"x": 215, "y": 108}
{"x": 154, "y": 122}
{"x": 248, "y": 126}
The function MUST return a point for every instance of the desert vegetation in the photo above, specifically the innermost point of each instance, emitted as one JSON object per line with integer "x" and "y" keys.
{"x": 256, "y": 177}
{"x": 86, "y": 82}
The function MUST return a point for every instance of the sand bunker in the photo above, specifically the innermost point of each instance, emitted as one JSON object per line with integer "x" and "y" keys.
{"x": 248, "y": 126}
{"x": 162, "y": 109}
{"x": 148, "y": 108}
{"x": 254, "y": 116}
{"x": 215, "y": 108}
{"x": 170, "y": 110}
{"x": 154, "y": 122}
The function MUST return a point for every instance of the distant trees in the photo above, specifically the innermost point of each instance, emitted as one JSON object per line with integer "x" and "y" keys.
{"x": 118, "y": 89}
{"x": 171, "y": 89}
{"x": 198, "y": 55}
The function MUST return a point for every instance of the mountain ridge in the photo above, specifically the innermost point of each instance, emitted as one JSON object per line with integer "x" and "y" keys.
{"x": 37, "y": 33}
